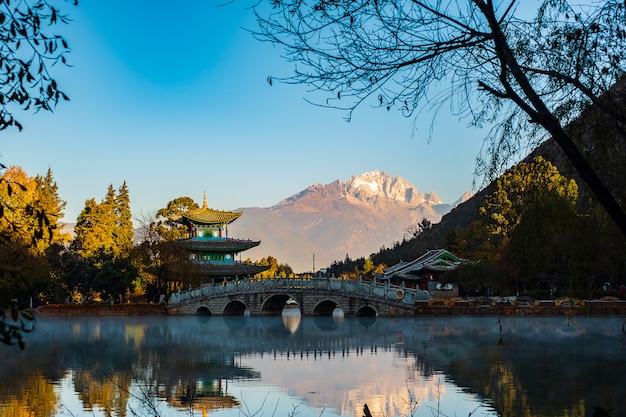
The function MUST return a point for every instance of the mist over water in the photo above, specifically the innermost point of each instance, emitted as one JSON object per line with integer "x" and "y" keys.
{"x": 312, "y": 366}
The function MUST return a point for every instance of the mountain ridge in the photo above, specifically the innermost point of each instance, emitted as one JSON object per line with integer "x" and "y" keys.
{"x": 355, "y": 217}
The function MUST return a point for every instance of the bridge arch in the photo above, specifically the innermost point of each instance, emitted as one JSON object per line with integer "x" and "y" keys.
{"x": 366, "y": 311}
{"x": 325, "y": 307}
{"x": 273, "y": 305}
{"x": 203, "y": 310}
{"x": 235, "y": 308}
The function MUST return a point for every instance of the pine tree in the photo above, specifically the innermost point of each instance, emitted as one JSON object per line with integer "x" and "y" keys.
{"x": 124, "y": 234}
{"x": 51, "y": 206}
{"x": 94, "y": 229}
{"x": 105, "y": 225}
{"x": 103, "y": 241}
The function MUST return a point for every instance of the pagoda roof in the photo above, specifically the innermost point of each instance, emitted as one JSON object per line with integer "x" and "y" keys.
{"x": 216, "y": 245}
{"x": 215, "y": 269}
{"x": 206, "y": 215}
{"x": 435, "y": 260}
{"x": 231, "y": 270}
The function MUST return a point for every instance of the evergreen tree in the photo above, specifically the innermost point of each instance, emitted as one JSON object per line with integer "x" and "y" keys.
{"x": 95, "y": 228}
{"x": 105, "y": 225}
{"x": 103, "y": 242}
{"x": 52, "y": 205}
{"x": 523, "y": 185}
{"x": 548, "y": 249}
{"x": 368, "y": 267}
{"x": 112, "y": 275}
{"x": 124, "y": 235}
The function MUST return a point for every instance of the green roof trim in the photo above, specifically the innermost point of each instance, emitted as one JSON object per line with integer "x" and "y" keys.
{"x": 436, "y": 260}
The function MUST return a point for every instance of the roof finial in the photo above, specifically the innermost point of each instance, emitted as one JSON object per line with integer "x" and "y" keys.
{"x": 204, "y": 202}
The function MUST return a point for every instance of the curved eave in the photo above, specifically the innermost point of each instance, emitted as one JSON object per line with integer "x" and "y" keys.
{"x": 217, "y": 245}
{"x": 210, "y": 216}
{"x": 231, "y": 270}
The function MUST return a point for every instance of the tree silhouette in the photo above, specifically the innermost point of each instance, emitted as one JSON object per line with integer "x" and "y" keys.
{"x": 528, "y": 77}
{"x": 27, "y": 53}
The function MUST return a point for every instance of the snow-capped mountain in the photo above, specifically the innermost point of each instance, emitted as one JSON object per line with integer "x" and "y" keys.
{"x": 356, "y": 218}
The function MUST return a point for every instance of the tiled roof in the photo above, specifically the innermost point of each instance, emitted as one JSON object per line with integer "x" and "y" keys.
{"x": 216, "y": 269}
{"x": 217, "y": 245}
{"x": 438, "y": 260}
{"x": 207, "y": 215}
{"x": 231, "y": 270}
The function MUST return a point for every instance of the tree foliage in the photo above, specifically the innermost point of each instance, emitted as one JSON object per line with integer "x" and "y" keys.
{"x": 522, "y": 187}
{"x": 124, "y": 222}
{"x": 28, "y": 50}
{"x": 535, "y": 235}
{"x": 29, "y": 225}
{"x": 528, "y": 77}
{"x": 105, "y": 225}
{"x": 548, "y": 246}
{"x": 167, "y": 223}
{"x": 30, "y": 209}
{"x": 99, "y": 261}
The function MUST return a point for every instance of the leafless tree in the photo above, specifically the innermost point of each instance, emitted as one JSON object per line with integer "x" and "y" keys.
{"x": 529, "y": 76}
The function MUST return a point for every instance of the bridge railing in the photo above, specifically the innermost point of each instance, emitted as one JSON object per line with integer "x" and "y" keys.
{"x": 367, "y": 289}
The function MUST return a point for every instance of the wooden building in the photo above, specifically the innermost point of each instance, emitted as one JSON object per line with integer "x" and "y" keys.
{"x": 425, "y": 272}
{"x": 210, "y": 247}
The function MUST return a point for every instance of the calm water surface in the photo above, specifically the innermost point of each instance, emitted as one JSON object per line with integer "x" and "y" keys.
{"x": 268, "y": 367}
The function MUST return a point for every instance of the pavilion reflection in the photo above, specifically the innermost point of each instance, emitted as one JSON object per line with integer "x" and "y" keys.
{"x": 544, "y": 366}
{"x": 202, "y": 395}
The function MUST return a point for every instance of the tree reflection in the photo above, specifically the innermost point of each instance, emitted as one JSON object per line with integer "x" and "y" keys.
{"x": 98, "y": 391}
{"x": 547, "y": 367}
{"x": 35, "y": 396}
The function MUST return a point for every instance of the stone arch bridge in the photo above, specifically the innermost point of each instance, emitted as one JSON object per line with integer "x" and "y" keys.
{"x": 314, "y": 297}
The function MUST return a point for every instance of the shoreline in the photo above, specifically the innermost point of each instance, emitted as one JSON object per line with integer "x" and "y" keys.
{"x": 590, "y": 308}
{"x": 549, "y": 308}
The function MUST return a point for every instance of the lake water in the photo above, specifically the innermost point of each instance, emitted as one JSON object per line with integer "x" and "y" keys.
{"x": 316, "y": 366}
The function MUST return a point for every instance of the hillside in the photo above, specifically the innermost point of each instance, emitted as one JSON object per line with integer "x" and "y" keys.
{"x": 603, "y": 142}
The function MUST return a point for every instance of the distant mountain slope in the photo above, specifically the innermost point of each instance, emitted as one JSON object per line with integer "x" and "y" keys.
{"x": 356, "y": 217}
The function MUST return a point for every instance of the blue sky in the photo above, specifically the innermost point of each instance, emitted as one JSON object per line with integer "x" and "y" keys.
{"x": 173, "y": 99}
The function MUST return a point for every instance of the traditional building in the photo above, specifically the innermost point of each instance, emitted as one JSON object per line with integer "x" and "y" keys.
{"x": 425, "y": 272}
{"x": 210, "y": 247}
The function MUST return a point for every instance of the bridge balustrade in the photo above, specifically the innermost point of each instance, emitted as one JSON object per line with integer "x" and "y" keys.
{"x": 372, "y": 289}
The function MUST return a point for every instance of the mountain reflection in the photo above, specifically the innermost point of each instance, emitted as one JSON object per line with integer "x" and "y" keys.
{"x": 543, "y": 366}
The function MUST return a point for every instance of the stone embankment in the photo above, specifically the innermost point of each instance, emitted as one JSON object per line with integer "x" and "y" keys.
{"x": 437, "y": 307}
{"x": 485, "y": 307}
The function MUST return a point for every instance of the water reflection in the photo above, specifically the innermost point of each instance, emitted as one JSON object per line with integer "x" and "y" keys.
{"x": 409, "y": 366}
{"x": 291, "y": 315}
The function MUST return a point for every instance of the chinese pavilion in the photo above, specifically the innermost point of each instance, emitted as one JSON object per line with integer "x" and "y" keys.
{"x": 425, "y": 272}
{"x": 210, "y": 247}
